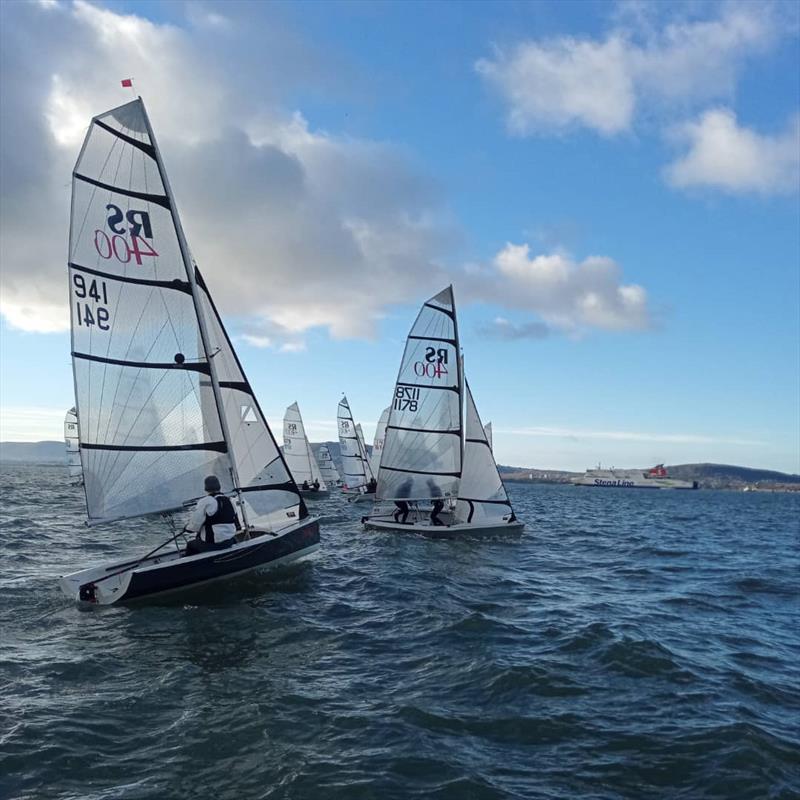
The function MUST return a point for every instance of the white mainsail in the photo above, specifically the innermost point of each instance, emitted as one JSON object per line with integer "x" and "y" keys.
{"x": 377, "y": 445}
{"x": 422, "y": 449}
{"x": 487, "y": 430}
{"x": 364, "y": 454}
{"x": 354, "y": 457}
{"x": 481, "y": 496}
{"x": 72, "y": 442}
{"x": 326, "y": 466}
{"x": 297, "y": 450}
{"x": 161, "y": 398}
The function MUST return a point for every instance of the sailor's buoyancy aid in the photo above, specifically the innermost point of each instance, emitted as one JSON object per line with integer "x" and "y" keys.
{"x": 224, "y": 515}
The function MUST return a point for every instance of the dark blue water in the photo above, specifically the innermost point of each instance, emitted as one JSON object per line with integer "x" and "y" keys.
{"x": 632, "y": 644}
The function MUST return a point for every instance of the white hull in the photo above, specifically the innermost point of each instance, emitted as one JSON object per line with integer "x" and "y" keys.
{"x": 360, "y": 497}
{"x": 459, "y": 530}
{"x": 630, "y": 479}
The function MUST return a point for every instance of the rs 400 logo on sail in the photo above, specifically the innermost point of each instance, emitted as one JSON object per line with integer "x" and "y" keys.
{"x": 130, "y": 231}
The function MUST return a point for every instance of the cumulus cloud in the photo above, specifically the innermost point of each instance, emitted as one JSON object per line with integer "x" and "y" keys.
{"x": 724, "y": 155}
{"x": 567, "y": 294}
{"x": 502, "y": 328}
{"x": 293, "y": 227}
{"x": 564, "y": 82}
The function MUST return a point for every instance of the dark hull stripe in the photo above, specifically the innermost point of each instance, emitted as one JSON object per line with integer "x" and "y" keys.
{"x": 158, "y": 199}
{"x": 490, "y": 502}
{"x": 143, "y": 146}
{"x": 219, "y": 447}
{"x": 184, "y": 573}
{"x": 194, "y": 367}
{"x": 270, "y": 487}
{"x": 179, "y": 285}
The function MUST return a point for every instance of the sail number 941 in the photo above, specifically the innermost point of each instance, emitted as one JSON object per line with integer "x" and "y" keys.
{"x": 89, "y": 296}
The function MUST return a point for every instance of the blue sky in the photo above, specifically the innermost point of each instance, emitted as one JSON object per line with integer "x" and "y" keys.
{"x": 546, "y": 158}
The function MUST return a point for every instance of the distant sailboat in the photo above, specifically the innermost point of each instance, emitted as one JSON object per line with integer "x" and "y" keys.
{"x": 487, "y": 432}
{"x": 437, "y": 469}
{"x": 377, "y": 445}
{"x": 299, "y": 457}
{"x": 162, "y": 399}
{"x": 359, "y": 482}
{"x": 326, "y": 466}
{"x": 72, "y": 443}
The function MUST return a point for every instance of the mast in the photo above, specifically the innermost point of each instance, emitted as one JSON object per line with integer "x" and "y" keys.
{"x": 190, "y": 273}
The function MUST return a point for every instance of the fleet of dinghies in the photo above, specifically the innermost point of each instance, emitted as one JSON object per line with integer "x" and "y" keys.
{"x": 162, "y": 400}
{"x": 359, "y": 482}
{"x": 299, "y": 456}
{"x": 326, "y": 466}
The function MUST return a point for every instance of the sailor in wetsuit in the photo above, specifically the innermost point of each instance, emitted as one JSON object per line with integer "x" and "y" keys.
{"x": 215, "y": 518}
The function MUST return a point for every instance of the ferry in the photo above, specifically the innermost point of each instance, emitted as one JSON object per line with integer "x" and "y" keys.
{"x": 654, "y": 478}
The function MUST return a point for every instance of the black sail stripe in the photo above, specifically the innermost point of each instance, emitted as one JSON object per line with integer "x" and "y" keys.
{"x": 219, "y": 447}
{"x": 269, "y": 487}
{"x": 426, "y": 386}
{"x": 191, "y": 367}
{"x": 433, "y": 339}
{"x": 443, "y": 310}
{"x": 158, "y": 199}
{"x": 478, "y": 441}
{"x": 143, "y": 146}
{"x": 240, "y": 386}
{"x": 179, "y": 285}
{"x": 422, "y": 430}
{"x": 421, "y": 471}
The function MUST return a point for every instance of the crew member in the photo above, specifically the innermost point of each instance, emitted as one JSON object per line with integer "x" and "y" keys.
{"x": 438, "y": 505}
{"x": 401, "y": 513}
{"x": 214, "y": 520}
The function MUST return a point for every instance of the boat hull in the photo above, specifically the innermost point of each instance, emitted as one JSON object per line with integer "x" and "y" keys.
{"x": 360, "y": 497}
{"x": 171, "y": 573}
{"x": 455, "y": 531}
{"x": 311, "y": 494}
{"x": 629, "y": 483}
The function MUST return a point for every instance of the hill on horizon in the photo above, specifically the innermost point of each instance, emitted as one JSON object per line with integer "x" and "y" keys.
{"x": 708, "y": 475}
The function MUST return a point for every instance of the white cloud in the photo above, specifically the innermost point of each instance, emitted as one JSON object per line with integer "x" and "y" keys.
{"x": 724, "y": 155}
{"x": 502, "y": 328}
{"x": 31, "y": 424}
{"x": 564, "y": 82}
{"x": 565, "y": 293}
{"x": 293, "y": 227}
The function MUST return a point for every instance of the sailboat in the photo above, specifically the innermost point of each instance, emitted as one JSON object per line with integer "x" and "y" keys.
{"x": 359, "y": 482}
{"x": 377, "y": 445}
{"x": 326, "y": 466}
{"x": 162, "y": 400}
{"x": 71, "y": 442}
{"x": 299, "y": 457}
{"x": 437, "y": 470}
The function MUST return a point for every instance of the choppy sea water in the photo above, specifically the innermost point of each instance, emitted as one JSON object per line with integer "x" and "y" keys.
{"x": 630, "y": 645}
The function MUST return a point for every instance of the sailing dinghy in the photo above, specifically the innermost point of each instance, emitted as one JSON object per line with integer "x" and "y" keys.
{"x": 71, "y": 442}
{"x": 326, "y": 466}
{"x": 377, "y": 445}
{"x": 436, "y": 450}
{"x": 298, "y": 455}
{"x": 162, "y": 399}
{"x": 358, "y": 478}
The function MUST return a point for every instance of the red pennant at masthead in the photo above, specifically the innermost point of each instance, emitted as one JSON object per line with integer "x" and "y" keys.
{"x": 127, "y": 83}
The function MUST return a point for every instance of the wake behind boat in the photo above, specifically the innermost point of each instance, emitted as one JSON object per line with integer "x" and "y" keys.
{"x": 437, "y": 472}
{"x": 162, "y": 400}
